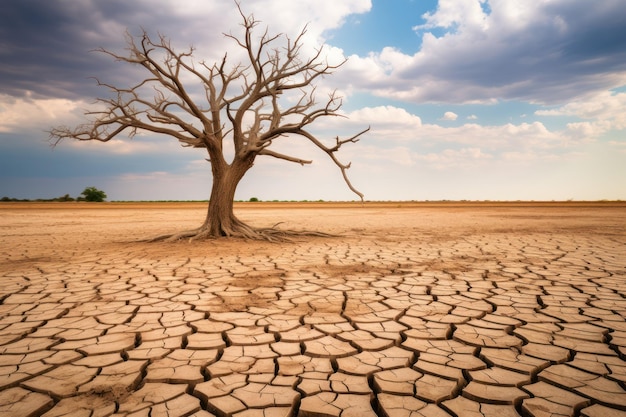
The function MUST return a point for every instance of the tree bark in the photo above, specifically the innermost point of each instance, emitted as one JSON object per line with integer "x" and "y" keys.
{"x": 221, "y": 219}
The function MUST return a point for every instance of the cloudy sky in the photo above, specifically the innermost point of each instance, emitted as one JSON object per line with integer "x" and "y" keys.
{"x": 466, "y": 99}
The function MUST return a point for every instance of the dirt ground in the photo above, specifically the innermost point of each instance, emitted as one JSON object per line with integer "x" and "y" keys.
{"x": 410, "y": 309}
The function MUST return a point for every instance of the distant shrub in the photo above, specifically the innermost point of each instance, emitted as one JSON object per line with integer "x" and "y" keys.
{"x": 66, "y": 197}
{"x": 93, "y": 194}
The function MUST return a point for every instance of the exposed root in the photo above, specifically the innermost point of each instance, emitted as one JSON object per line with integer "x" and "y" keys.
{"x": 243, "y": 231}
{"x": 175, "y": 237}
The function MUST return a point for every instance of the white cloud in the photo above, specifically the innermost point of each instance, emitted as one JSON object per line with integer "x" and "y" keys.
{"x": 388, "y": 116}
{"x": 495, "y": 138}
{"x": 604, "y": 111}
{"x": 449, "y": 116}
{"x": 394, "y": 124}
{"x": 20, "y": 114}
{"x": 542, "y": 52}
{"x": 586, "y": 131}
{"x": 401, "y": 138}
{"x": 63, "y": 60}
{"x": 599, "y": 114}
{"x": 455, "y": 13}
{"x": 202, "y": 23}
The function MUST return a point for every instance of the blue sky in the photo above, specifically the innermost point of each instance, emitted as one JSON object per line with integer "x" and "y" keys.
{"x": 466, "y": 99}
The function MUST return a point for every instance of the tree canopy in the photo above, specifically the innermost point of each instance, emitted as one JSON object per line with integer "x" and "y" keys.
{"x": 93, "y": 194}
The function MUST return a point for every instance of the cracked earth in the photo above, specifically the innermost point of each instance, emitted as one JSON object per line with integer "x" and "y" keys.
{"x": 414, "y": 310}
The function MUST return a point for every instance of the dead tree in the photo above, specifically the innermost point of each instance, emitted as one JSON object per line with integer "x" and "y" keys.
{"x": 238, "y": 107}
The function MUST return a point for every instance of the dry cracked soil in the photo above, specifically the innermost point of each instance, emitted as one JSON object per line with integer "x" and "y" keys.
{"x": 448, "y": 309}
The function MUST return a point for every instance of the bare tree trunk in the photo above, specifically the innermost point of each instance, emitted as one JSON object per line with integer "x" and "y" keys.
{"x": 220, "y": 219}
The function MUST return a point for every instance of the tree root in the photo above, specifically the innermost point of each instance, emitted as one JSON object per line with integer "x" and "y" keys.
{"x": 270, "y": 234}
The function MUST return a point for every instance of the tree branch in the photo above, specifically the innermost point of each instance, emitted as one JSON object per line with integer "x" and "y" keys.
{"x": 284, "y": 157}
{"x": 250, "y": 103}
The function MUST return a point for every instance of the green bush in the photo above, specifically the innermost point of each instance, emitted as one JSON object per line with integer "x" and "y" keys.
{"x": 93, "y": 194}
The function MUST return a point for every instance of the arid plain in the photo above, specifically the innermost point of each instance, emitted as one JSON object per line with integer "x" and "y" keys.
{"x": 411, "y": 309}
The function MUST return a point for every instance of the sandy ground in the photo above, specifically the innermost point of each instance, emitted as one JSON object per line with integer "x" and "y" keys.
{"x": 413, "y": 309}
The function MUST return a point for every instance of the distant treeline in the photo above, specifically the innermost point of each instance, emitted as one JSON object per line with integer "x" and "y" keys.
{"x": 66, "y": 197}
{"x": 88, "y": 194}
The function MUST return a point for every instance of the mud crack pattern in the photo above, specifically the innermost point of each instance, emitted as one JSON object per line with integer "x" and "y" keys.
{"x": 493, "y": 324}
